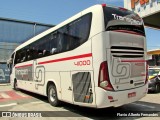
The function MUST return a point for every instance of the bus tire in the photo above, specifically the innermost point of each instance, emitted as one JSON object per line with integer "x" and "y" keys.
{"x": 15, "y": 86}
{"x": 52, "y": 95}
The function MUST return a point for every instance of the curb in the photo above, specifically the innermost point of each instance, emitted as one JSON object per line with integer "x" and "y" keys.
{"x": 5, "y": 84}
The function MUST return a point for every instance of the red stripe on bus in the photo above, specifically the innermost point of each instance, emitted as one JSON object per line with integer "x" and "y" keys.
{"x": 24, "y": 66}
{"x": 67, "y": 58}
{"x": 133, "y": 61}
{"x": 130, "y": 32}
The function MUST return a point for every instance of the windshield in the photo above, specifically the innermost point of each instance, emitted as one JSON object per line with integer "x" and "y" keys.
{"x": 122, "y": 19}
{"x": 153, "y": 72}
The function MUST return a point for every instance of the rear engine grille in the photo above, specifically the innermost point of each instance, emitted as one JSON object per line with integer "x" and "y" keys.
{"x": 127, "y": 52}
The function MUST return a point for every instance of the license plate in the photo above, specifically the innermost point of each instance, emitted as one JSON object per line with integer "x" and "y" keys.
{"x": 133, "y": 94}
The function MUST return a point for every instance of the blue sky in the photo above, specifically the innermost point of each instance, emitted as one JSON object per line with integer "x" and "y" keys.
{"x": 56, "y": 11}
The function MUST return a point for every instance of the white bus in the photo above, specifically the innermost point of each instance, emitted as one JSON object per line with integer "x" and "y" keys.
{"x": 96, "y": 58}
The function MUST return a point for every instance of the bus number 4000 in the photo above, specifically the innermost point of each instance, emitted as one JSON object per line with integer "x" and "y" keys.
{"x": 82, "y": 63}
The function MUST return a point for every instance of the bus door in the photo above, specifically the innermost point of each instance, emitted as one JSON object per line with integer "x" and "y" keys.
{"x": 29, "y": 82}
{"x": 24, "y": 69}
{"x": 83, "y": 87}
{"x": 27, "y": 69}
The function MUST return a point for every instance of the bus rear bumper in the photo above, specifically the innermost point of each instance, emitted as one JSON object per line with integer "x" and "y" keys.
{"x": 118, "y": 98}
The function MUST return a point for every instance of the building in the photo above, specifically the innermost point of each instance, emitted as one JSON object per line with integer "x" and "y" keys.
{"x": 149, "y": 10}
{"x": 153, "y": 57}
{"x": 13, "y": 33}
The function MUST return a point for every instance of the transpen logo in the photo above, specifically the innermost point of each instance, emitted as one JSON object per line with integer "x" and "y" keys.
{"x": 22, "y": 72}
{"x": 130, "y": 20}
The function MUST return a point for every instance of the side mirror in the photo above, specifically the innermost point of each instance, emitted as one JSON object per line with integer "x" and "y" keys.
{"x": 9, "y": 62}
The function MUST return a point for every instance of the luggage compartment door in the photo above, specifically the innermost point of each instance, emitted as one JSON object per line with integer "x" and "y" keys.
{"x": 83, "y": 87}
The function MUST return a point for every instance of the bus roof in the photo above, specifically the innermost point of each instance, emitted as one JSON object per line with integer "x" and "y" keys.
{"x": 92, "y": 8}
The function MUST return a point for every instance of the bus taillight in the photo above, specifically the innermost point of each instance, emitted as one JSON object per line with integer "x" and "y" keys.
{"x": 103, "y": 5}
{"x": 103, "y": 80}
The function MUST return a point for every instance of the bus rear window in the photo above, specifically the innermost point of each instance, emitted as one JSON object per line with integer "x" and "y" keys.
{"x": 122, "y": 19}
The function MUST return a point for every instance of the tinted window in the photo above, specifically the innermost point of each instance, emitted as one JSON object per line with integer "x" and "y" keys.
{"x": 122, "y": 19}
{"x": 21, "y": 56}
{"x": 54, "y": 37}
{"x": 78, "y": 31}
{"x": 42, "y": 47}
{"x": 74, "y": 34}
{"x": 64, "y": 39}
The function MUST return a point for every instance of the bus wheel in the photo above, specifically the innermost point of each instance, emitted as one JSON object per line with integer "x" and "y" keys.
{"x": 52, "y": 96}
{"x": 15, "y": 85}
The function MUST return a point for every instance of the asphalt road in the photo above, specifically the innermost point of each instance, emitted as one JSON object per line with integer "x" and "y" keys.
{"x": 26, "y": 101}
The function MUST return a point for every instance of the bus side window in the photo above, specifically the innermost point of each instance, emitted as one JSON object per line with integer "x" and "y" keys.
{"x": 29, "y": 57}
{"x": 79, "y": 31}
{"x": 62, "y": 39}
{"x": 60, "y": 46}
{"x": 46, "y": 47}
{"x": 23, "y": 55}
{"x": 53, "y": 43}
{"x": 36, "y": 49}
{"x": 33, "y": 52}
{"x": 17, "y": 58}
